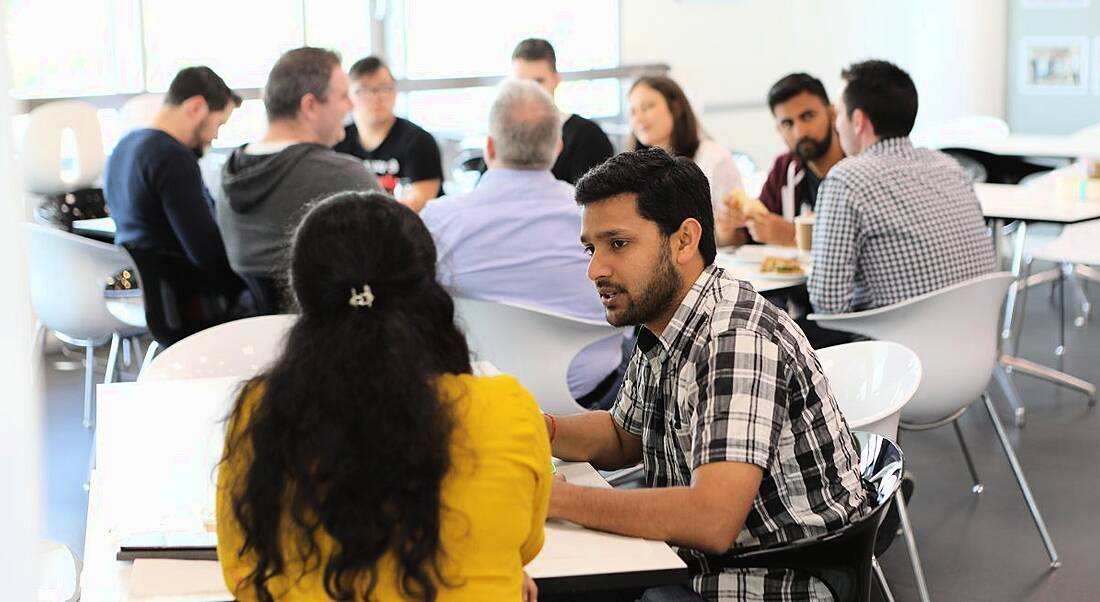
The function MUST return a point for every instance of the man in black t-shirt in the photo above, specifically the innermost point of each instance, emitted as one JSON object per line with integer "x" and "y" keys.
{"x": 584, "y": 144}
{"x": 396, "y": 150}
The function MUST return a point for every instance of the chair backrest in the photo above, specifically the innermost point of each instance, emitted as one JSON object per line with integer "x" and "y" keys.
{"x": 841, "y": 559}
{"x": 139, "y": 111}
{"x": 952, "y": 330}
{"x": 239, "y": 348}
{"x": 68, "y": 274}
{"x": 533, "y": 345}
{"x": 180, "y": 299}
{"x": 871, "y": 381}
{"x": 45, "y": 170}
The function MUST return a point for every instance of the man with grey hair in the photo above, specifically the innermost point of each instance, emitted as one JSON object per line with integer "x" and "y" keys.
{"x": 513, "y": 239}
{"x": 266, "y": 184}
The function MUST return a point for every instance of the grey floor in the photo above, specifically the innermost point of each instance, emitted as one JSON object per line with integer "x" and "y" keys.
{"x": 974, "y": 547}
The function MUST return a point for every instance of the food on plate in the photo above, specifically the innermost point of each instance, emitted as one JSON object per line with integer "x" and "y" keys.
{"x": 780, "y": 265}
{"x": 748, "y": 205}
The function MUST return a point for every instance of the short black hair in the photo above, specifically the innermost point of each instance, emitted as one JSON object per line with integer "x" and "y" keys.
{"x": 670, "y": 190}
{"x": 885, "y": 93}
{"x": 794, "y": 84}
{"x": 367, "y": 66}
{"x": 536, "y": 49}
{"x": 200, "y": 81}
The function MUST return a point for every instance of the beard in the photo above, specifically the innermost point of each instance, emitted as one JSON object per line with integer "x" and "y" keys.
{"x": 654, "y": 298}
{"x": 809, "y": 149}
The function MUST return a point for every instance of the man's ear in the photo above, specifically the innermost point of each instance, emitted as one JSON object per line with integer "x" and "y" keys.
{"x": 860, "y": 122}
{"x": 195, "y": 107}
{"x": 685, "y": 241}
{"x": 832, "y": 114}
{"x": 490, "y": 149}
{"x": 307, "y": 106}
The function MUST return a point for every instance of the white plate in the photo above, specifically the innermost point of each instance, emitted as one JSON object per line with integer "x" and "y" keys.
{"x": 777, "y": 276}
{"x": 757, "y": 253}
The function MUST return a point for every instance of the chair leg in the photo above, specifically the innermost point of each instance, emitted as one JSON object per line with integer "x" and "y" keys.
{"x": 1000, "y": 374}
{"x": 1025, "y": 489}
{"x": 112, "y": 359}
{"x": 880, "y": 578}
{"x": 1061, "y": 348}
{"x": 1017, "y": 260}
{"x": 1017, "y": 324}
{"x": 149, "y": 353}
{"x": 89, "y": 383}
{"x": 978, "y": 487}
{"x": 1082, "y": 300}
{"x": 911, "y": 544}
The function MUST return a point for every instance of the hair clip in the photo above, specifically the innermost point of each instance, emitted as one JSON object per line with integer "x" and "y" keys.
{"x": 363, "y": 299}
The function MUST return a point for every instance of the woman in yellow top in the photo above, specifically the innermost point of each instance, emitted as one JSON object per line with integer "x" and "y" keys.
{"x": 367, "y": 463}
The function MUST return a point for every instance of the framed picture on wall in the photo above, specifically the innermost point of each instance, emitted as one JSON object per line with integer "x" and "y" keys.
{"x": 1055, "y": 3}
{"x": 1054, "y": 65}
{"x": 1096, "y": 65}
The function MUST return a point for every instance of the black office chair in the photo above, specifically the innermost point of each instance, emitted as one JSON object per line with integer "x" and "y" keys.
{"x": 842, "y": 560}
{"x": 269, "y": 294}
{"x": 179, "y": 298}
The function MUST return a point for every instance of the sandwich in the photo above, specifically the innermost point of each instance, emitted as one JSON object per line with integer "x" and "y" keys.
{"x": 746, "y": 204}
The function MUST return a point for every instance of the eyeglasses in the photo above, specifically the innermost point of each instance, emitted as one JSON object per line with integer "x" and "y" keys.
{"x": 374, "y": 90}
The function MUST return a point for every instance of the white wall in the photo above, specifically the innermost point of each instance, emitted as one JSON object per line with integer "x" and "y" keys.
{"x": 20, "y": 402}
{"x": 729, "y": 52}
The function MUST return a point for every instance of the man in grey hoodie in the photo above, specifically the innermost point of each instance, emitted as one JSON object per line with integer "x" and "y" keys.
{"x": 266, "y": 185}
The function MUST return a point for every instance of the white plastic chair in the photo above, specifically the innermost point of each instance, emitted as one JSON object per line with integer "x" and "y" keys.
{"x": 239, "y": 348}
{"x": 67, "y": 277}
{"x": 139, "y": 111}
{"x": 45, "y": 170}
{"x": 533, "y": 345}
{"x": 954, "y": 332}
{"x": 871, "y": 382}
{"x": 1075, "y": 252}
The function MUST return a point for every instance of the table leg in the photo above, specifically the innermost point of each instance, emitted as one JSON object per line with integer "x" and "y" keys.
{"x": 1017, "y": 262}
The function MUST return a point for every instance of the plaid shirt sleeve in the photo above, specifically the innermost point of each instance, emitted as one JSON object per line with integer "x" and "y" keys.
{"x": 831, "y": 284}
{"x": 627, "y": 411}
{"x": 742, "y": 401}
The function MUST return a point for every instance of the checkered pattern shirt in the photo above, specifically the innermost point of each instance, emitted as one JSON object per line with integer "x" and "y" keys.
{"x": 894, "y": 222}
{"x": 733, "y": 379}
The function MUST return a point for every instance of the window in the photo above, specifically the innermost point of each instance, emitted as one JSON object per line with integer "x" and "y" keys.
{"x": 62, "y": 48}
{"x": 431, "y": 25}
{"x": 479, "y": 42}
{"x": 90, "y": 50}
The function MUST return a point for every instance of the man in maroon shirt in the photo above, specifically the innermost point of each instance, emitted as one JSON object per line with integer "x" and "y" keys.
{"x": 806, "y": 121}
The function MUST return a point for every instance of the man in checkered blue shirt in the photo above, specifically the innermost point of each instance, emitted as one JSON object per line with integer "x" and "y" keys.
{"x": 893, "y": 221}
{"x": 724, "y": 401}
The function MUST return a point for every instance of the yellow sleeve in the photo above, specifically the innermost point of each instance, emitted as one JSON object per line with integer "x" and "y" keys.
{"x": 230, "y": 539}
{"x": 540, "y": 462}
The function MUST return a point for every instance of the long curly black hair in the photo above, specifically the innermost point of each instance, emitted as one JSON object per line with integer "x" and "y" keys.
{"x": 350, "y": 435}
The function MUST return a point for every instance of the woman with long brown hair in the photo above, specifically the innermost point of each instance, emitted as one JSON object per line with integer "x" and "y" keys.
{"x": 660, "y": 115}
{"x": 368, "y": 463}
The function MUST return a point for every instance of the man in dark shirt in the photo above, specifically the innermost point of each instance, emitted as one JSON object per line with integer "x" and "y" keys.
{"x": 806, "y": 121}
{"x": 394, "y": 149}
{"x": 153, "y": 185}
{"x": 584, "y": 144}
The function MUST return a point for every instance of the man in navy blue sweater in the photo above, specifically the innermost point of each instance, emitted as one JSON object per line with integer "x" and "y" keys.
{"x": 153, "y": 185}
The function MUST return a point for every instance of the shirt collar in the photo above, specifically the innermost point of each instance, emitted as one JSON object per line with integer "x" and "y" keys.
{"x": 889, "y": 146}
{"x": 694, "y": 304}
{"x": 508, "y": 174}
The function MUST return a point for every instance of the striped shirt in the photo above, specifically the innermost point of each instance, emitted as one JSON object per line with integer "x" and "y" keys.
{"x": 733, "y": 379}
{"x": 894, "y": 222}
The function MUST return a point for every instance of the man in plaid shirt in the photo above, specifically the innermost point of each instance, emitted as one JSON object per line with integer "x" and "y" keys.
{"x": 723, "y": 401}
{"x": 893, "y": 221}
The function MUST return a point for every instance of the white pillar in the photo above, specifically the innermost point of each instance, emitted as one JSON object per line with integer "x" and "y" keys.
{"x": 20, "y": 404}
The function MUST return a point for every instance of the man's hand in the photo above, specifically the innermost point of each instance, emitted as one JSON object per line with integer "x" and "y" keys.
{"x": 734, "y": 218}
{"x": 771, "y": 229}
